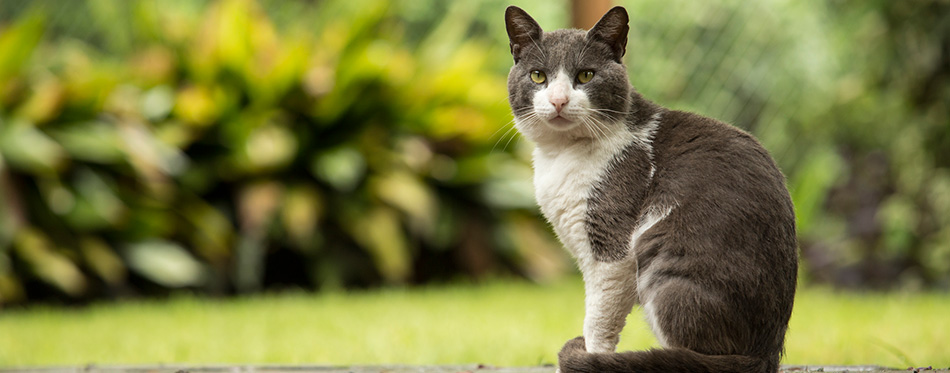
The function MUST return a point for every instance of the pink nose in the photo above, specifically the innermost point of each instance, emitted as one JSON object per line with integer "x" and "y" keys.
{"x": 559, "y": 103}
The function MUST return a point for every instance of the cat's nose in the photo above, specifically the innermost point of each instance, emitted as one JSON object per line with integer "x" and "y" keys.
{"x": 559, "y": 103}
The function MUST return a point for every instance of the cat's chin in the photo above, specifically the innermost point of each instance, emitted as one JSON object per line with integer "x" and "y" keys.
{"x": 560, "y": 123}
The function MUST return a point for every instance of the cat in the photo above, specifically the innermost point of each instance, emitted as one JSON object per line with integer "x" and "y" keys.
{"x": 683, "y": 214}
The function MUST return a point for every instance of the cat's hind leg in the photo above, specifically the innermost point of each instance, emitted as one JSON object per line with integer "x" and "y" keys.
{"x": 686, "y": 314}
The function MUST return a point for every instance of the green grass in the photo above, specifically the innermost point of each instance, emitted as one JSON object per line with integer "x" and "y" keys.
{"x": 499, "y": 323}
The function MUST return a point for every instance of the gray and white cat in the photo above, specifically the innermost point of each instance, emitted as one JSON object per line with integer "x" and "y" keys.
{"x": 685, "y": 215}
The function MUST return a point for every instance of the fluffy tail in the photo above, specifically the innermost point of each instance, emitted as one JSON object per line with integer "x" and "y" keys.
{"x": 574, "y": 358}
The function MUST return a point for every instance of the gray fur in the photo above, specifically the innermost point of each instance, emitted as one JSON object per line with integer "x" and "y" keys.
{"x": 616, "y": 206}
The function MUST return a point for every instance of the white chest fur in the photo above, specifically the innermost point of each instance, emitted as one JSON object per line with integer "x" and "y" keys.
{"x": 564, "y": 178}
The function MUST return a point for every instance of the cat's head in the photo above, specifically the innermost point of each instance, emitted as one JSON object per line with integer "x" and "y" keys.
{"x": 568, "y": 83}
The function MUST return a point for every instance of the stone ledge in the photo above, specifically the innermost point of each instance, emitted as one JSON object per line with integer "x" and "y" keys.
{"x": 182, "y": 368}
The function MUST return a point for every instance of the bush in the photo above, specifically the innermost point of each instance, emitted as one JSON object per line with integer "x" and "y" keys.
{"x": 223, "y": 154}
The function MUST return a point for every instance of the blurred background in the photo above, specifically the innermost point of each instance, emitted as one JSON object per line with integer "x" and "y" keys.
{"x": 239, "y": 146}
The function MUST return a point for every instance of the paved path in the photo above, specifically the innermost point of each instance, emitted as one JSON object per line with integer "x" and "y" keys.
{"x": 382, "y": 369}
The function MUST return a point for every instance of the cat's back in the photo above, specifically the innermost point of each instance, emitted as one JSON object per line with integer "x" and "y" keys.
{"x": 731, "y": 233}
{"x": 730, "y": 194}
{"x": 700, "y": 156}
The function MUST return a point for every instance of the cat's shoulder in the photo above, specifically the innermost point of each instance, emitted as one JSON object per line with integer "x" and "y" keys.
{"x": 680, "y": 121}
{"x": 683, "y": 127}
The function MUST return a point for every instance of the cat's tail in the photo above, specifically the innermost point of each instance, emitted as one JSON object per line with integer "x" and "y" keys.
{"x": 574, "y": 358}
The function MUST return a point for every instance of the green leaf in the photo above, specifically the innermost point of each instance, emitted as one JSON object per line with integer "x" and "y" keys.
{"x": 303, "y": 207}
{"x": 10, "y": 288}
{"x": 269, "y": 147}
{"x": 157, "y": 103}
{"x": 97, "y": 205}
{"x": 537, "y": 252}
{"x": 201, "y": 104}
{"x": 47, "y": 264}
{"x": 380, "y": 233}
{"x": 93, "y": 141}
{"x": 410, "y": 195}
{"x": 151, "y": 157}
{"x": 166, "y": 263}
{"x": 810, "y": 186}
{"x": 342, "y": 167}
{"x": 17, "y": 42}
{"x": 28, "y": 149}
{"x": 210, "y": 232}
{"x": 103, "y": 260}
{"x": 899, "y": 219}
{"x": 47, "y": 97}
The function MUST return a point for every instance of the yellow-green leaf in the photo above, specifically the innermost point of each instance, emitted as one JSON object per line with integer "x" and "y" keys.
{"x": 103, "y": 260}
{"x": 410, "y": 195}
{"x": 17, "y": 42}
{"x": 302, "y": 210}
{"x": 380, "y": 233}
{"x": 34, "y": 248}
{"x": 28, "y": 149}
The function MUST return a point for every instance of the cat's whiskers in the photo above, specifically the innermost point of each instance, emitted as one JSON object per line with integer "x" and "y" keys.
{"x": 629, "y": 101}
{"x": 613, "y": 115}
{"x": 529, "y": 118}
{"x": 587, "y": 126}
{"x": 595, "y": 127}
{"x": 543, "y": 55}
{"x": 583, "y": 50}
{"x": 513, "y": 135}
{"x": 523, "y": 111}
{"x": 612, "y": 111}
{"x": 510, "y": 126}
{"x": 526, "y": 113}
{"x": 597, "y": 117}
{"x": 601, "y": 127}
{"x": 586, "y": 122}
{"x": 509, "y": 141}
{"x": 625, "y": 98}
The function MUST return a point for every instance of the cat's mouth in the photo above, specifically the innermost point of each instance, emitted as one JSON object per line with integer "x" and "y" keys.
{"x": 560, "y": 122}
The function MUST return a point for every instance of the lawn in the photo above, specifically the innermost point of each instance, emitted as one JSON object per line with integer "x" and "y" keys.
{"x": 498, "y": 323}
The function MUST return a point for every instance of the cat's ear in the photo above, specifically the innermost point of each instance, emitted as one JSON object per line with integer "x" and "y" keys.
{"x": 522, "y": 30}
{"x": 612, "y": 29}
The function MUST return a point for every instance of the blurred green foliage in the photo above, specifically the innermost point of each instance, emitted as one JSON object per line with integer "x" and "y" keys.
{"x": 209, "y": 149}
{"x": 228, "y": 146}
{"x": 853, "y": 100}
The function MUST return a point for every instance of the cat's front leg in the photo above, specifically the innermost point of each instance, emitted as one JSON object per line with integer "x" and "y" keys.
{"x": 610, "y": 292}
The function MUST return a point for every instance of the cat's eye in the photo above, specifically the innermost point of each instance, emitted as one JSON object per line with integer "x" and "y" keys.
{"x": 538, "y": 76}
{"x": 585, "y": 76}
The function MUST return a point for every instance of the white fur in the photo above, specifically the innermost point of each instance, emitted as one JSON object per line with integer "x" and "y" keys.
{"x": 612, "y": 289}
{"x": 571, "y": 158}
{"x": 650, "y": 313}
{"x": 644, "y": 135}
{"x": 652, "y": 216}
{"x": 564, "y": 178}
{"x": 646, "y": 292}
{"x": 561, "y": 88}
{"x": 610, "y": 293}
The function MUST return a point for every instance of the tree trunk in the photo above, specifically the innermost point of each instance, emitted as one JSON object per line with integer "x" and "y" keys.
{"x": 585, "y": 13}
